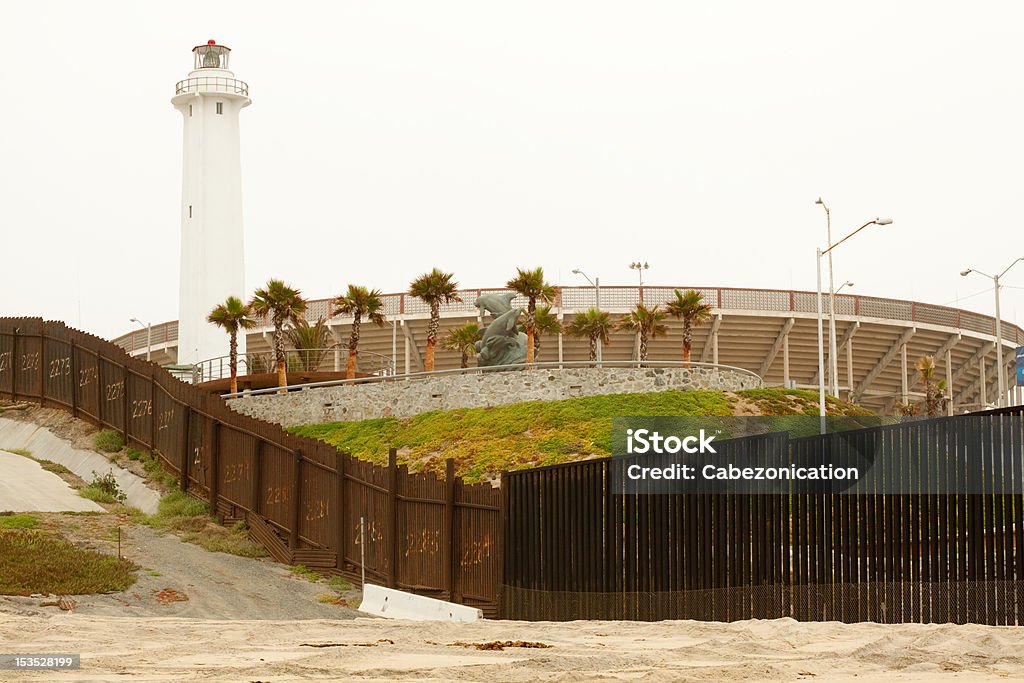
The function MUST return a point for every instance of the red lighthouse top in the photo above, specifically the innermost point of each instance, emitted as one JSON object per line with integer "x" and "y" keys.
{"x": 211, "y": 55}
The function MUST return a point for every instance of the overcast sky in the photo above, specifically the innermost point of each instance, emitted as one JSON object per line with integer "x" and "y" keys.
{"x": 386, "y": 138}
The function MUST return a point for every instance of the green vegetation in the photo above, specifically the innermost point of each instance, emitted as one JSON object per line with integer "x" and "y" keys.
{"x": 108, "y": 441}
{"x": 38, "y": 562}
{"x": 12, "y": 521}
{"x": 187, "y": 517}
{"x": 305, "y": 572}
{"x": 19, "y": 451}
{"x": 103, "y": 489}
{"x": 485, "y": 441}
{"x": 54, "y": 467}
{"x": 155, "y": 473}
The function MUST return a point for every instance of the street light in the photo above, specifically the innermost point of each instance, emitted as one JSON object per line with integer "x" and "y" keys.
{"x": 149, "y": 337}
{"x": 833, "y": 369}
{"x": 640, "y": 268}
{"x": 845, "y": 284}
{"x": 999, "y": 327}
{"x": 596, "y": 283}
{"x": 832, "y": 335}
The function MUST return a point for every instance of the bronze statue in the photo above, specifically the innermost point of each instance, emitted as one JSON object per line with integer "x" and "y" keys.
{"x": 502, "y": 342}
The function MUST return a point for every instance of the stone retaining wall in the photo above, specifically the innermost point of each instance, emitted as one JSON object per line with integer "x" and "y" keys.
{"x": 407, "y": 397}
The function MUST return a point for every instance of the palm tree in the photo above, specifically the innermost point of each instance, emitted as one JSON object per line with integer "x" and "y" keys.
{"x": 434, "y": 288}
{"x": 281, "y": 304}
{"x": 311, "y": 341}
{"x": 357, "y": 302}
{"x": 545, "y": 322}
{"x": 646, "y": 322}
{"x": 530, "y": 283}
{"x": 232, "y": 316}
{"x": 593, "y": 324}
{"x": 689, "y": 307}
{"x": 463, "y": 339}
{"x": 934, "y": 392}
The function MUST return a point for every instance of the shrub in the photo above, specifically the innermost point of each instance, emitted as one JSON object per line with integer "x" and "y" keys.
{"x": 103, "y": 489}
{"x": 108, "y": 441}
{"x": 134, "y": 454}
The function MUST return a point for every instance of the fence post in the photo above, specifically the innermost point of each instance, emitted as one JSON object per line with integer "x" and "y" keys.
{"x": 152, "y": 412}
{"x": 187, "y": 451}
{"x": 74, "y": 380}
{"x": 124, "y": 401}
{"x": 393, "y": 517}
{"x": 296, "y": 501}
{"x": 339, "y": 466}
{"x": 42, "y": 365}
{"x": 215, "y": 469}
{"x": 14, "y": 365}
{"x": 257, "y": 478}
{"x": 451, "y": 557}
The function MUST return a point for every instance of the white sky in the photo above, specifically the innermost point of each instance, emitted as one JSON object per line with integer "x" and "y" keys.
{"x": 386, "y": 138}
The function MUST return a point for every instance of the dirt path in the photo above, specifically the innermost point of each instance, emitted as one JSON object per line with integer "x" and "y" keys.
{"x": 218, "y": 586}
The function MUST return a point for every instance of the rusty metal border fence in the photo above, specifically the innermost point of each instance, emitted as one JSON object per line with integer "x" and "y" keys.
{"x": 302, "y": 499}
{"x": 578, "y": 548}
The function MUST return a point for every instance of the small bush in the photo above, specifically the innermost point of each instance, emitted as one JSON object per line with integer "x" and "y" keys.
{"x": 108, "y": 441}
{"x": 178, "y": 504}
{"x": 134, "y": 454}
{"x": 103, "y": 489}
{"x": 18, "y": 521}
{"x": 155, "y": 473}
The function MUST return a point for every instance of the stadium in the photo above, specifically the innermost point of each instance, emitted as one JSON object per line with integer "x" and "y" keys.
{"x": 770, "y": 332}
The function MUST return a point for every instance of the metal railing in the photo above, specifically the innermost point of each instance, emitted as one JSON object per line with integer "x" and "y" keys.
{"x": 645, "y": 364}
{"x": 330, "y": 359}
{"x": 212, "y": 84}
{"x": 573, "y": 299}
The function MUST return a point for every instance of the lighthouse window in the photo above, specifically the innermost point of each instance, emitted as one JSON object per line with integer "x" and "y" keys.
{"x": 190, "y": 110}
{"x": 220, "y": 107}
{"x": 190, "y": 211}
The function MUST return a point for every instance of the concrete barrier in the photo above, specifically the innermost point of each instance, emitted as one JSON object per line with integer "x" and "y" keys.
{"x": 396, "y": 604}
{"x": 42, "y": 443}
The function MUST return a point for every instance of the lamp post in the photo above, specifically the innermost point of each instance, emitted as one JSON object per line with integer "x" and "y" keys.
{"x": 149, "y": 337}
{"x": 596, "y": 283}
{"x": 640, "y": 268}
{"x": 1000, "y": 370}
{"x": 832, "y": 336}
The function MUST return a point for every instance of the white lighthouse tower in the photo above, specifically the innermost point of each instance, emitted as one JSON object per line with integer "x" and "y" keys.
{"x": 212, "y": 264}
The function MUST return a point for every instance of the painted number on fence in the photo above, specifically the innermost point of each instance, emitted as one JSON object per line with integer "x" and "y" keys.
{"x": 373, "y": 534}
{"x": 115, "y": 391}
{"x": 240, "y": 472}
{"x": 476, "y": 552}
{"x": 142, "y": 408}
{"x": 60, "y": 367}
{"x": 163, "y": 419}
{"x": 317, "y": 509}
{"x": 30, "y": 361}
{"x": 277, "y": 494}
{"x": 5, "y": 361}
{"x": 426, "y": 542}
{"x": 86, "y": 376}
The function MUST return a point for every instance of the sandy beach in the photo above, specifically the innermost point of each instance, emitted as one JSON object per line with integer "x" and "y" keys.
{"x": 174, "y": 649}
